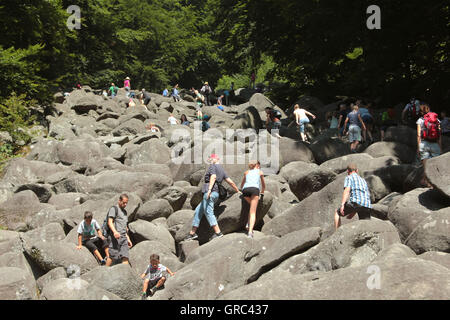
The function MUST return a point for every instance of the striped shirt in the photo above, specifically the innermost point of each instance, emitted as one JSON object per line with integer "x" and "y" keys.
{"x": 359, "y": 191}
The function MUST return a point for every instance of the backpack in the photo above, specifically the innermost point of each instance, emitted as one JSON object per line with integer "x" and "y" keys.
{"x": 223, "y": 193}
{"x": 105, "y": 228}
{"x": 205, "y": 126}
{"x": 430, "y": 130}
{"x": 277, "y": 114}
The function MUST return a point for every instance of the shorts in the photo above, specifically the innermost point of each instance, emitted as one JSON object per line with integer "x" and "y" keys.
{"x": 302, "y": 124}
{"x": 354, "y": 133}
{"x": 352, "y": 207}
{"x": 118, "y": 248}
{"x": 95, "y": 244}
{"x": 429, "y": 150}
{"x": 251, "y": 191}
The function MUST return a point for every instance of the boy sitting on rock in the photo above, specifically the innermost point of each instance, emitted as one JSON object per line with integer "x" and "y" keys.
{"x": 90, "y": 235}
{"x": 155, "y": 275}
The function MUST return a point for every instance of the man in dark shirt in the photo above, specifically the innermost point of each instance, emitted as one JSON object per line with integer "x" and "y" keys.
{"x": 119, "y": 241}
{"x": 214, "y": 173}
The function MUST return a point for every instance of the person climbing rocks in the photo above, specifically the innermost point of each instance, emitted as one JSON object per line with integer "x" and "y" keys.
{"x": 301, "y": 117}
{"x": 154, "y": 276}
{"x": 354, "y": 131}
{"x": 253, "y": 186}
{"x": 215, "y": 174}
{"x": 355, "y": 198}
{"x": 119, "y": 241}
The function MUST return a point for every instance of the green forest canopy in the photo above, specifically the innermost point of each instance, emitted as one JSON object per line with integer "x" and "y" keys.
{"x": 316, "y": 47}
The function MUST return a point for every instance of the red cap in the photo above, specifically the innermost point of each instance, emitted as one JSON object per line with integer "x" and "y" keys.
{"x": 214, "y": 156}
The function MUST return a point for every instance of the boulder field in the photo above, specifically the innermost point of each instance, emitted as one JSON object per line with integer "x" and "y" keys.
{"x": 97, "y": 148}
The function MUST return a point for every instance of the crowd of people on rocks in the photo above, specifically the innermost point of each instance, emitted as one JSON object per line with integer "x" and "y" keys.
{"x": 355, "y": 121}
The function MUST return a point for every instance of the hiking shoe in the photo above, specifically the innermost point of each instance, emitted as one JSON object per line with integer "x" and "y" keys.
{"x": 191, "y": 237}
{"x": 216, "y": 235}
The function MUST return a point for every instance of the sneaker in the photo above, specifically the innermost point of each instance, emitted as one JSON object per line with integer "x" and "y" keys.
{"x": 144, "y": 296}
{"x": 103, "y": 262}
{"x": 216, "y": 235}
{"x": 250, "y": 235}
{"x": 191, "y": 237}
{"x": 151, "y": 292}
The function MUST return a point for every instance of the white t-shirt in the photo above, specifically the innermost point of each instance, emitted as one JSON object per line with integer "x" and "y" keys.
{"x": 88, "y": 231}
{"x": 155, "y": 273}
{"x": 301, "y": 113}
{"x": 172, "y": 120}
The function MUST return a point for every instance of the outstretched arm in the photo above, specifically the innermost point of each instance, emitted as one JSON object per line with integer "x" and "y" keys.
{"x": 310, "y": 114}
{"x": 232, "y": 184}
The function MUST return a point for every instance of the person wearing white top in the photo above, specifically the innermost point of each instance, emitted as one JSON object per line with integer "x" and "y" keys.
{"x": 253, "y": 187}
{"x": 301, "y": 117}
{"x": 172, "y": 120}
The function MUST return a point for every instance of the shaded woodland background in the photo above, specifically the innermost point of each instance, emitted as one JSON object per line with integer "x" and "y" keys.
{"x": 315, "y": 47}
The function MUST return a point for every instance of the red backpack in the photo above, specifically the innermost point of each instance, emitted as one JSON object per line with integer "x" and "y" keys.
{"x": 430, "y": 130}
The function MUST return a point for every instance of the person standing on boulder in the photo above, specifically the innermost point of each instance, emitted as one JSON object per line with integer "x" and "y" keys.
{"x": 354, "y": 118}
{"x": 355, "y": 199}
{"x": 429, "y": 137}
{"x": 214, "y": 175}
{"x": 206, "y": 91}
{"x": 253, "y": 187}
{"x": 175, "y": 93}
{"x": 113, "y": 90}
{"x": 119, "y": 241}
{"x": 127, "y": 85}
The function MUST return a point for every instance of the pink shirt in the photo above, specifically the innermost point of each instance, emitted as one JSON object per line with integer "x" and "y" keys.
{"x": 126, "y": 83}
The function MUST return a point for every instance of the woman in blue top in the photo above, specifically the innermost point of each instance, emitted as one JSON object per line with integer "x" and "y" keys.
{"x": 184, "y": 120}
{"x": 252, "y": 185}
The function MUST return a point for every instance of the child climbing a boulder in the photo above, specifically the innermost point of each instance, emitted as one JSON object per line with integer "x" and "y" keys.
{"x": 154, "y": 276}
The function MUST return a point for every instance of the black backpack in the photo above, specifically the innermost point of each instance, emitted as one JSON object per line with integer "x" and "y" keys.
{"x": 105, "y": 228}
{"x": 223, "y": 193}
{"x": 277, "y": 114}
